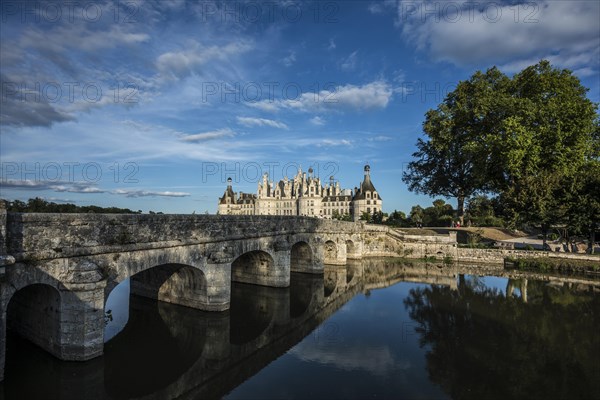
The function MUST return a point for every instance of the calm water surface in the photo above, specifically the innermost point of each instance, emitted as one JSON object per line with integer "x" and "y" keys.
{"x": 373, "y": 329}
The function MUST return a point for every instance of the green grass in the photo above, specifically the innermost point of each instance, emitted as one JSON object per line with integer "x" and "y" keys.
{"x": 552, "y": 264}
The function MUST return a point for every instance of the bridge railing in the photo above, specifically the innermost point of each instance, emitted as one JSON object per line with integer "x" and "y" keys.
{"x": 57, "y": 235}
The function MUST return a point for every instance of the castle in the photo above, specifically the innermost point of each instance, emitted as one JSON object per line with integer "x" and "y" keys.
{"x": 303, "y": 195}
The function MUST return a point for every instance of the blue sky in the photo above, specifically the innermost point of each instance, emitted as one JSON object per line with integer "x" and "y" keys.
{"x": 151, "y": 105}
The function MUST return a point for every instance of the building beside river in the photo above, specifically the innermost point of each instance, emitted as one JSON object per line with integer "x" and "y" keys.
{"x": 303, "y": 195}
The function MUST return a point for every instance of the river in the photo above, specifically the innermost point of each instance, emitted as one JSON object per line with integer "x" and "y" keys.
{"x": 372, "y": 329}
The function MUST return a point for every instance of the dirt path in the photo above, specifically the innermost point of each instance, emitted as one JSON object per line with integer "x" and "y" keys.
{"x": 487, "y": 233}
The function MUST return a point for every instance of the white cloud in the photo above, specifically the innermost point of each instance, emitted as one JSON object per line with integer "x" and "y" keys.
{"x": 380, "y": 138}
{"x": 248, "y": 121}
{"x": 317, "y": 121}
{"x": 56, "y": 186}
{"x": 82, "y": 187}
{"x": 333, "y": 142}
{"x": 204, "y": 136}
{"x": 372, "y": 95}
{"x": 78, "y": 188}
{"x": 79, "y": 36}
{"x": 289, "y": 60}
{"x": 381, "y": 6}
{"x": 489, "y": 33}
{"x": 377, "y": 360}
{"x": 146, "y": 193}
{"x": 375, "y": 8}
{"x": 399, "y": 76}
{"x": 349, "y": 63}
{"x": 179, "y": 64}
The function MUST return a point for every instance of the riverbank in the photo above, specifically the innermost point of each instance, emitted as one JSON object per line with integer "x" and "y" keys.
{"x": 546, "y": 264}
{"x": 500, "y": 255}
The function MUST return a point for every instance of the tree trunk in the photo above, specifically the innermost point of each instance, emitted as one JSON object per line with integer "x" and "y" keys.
{"x": 461, "y": 209}
{"x": 544, "y": 236}
{"x": 592, "y": 242}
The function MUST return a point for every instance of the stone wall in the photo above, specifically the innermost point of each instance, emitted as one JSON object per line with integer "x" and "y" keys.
{"x": 51, "y": 236}
{"x": 498, "y": 255}
{"x": 48, "y": 236}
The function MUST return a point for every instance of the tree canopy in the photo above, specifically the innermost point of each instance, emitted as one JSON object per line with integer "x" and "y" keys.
{"x": 532, "y": 140}
{"x": 38, "y": 205}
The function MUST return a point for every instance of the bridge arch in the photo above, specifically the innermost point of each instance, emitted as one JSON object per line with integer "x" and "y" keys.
{"x": 301, "y": 257}
{"x": 254, "y": 267}
{"x": 352, "y": 249}
{"x": 173, "y": 283}
{"x": 34, "y": 312}
{"x": 190, "y": 276}
{"x": 122, "y": 266}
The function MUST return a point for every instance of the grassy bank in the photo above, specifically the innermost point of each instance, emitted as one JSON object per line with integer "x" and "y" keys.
{"x": 552, "y": 265}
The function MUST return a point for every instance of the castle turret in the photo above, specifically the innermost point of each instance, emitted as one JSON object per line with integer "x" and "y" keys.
{"x": 228, "y": 201}
{"x": 366, "y": 199}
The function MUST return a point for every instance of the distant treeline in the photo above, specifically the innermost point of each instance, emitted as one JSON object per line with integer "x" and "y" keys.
{"x": 38, "y": 205}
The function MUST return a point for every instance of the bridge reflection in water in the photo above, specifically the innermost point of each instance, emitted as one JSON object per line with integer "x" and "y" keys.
{"x": 457, "y": 332}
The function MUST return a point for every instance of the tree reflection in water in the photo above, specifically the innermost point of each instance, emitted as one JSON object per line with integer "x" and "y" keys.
{"x": 485, "y": 345}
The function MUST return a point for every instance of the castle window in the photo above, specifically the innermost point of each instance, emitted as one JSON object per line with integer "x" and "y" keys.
{"x": 368, "y": 195}
{"x": 368, "y": 201}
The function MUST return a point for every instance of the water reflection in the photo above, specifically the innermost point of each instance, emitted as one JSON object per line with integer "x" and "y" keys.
{"x": 424, "y": 331}
{"x": 116, "y": 310}
{"x": 486, "y": 344}
{"x": 159, "y": 344}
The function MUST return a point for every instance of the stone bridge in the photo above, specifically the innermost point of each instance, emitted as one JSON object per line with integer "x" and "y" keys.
{"x": 57, "y": 270}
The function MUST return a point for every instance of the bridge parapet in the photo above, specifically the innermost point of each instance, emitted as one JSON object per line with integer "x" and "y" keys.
{"x": 46, "y": 236}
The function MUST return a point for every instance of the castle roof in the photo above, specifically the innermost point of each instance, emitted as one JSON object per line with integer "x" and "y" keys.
{"x": 366, "y": 186}
{"x": 246, "y": 198}
{"x": 228, "y": 194}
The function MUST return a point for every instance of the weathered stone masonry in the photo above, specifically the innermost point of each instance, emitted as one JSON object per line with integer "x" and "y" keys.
{"x": 57, "y": 270}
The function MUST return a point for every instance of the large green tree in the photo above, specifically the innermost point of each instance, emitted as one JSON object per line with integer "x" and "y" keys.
{"x": 544, "y": 144}
{"x": 527, "y": 138}
{"x": 582, "y": 194}
{"x": 452, "y": 160}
